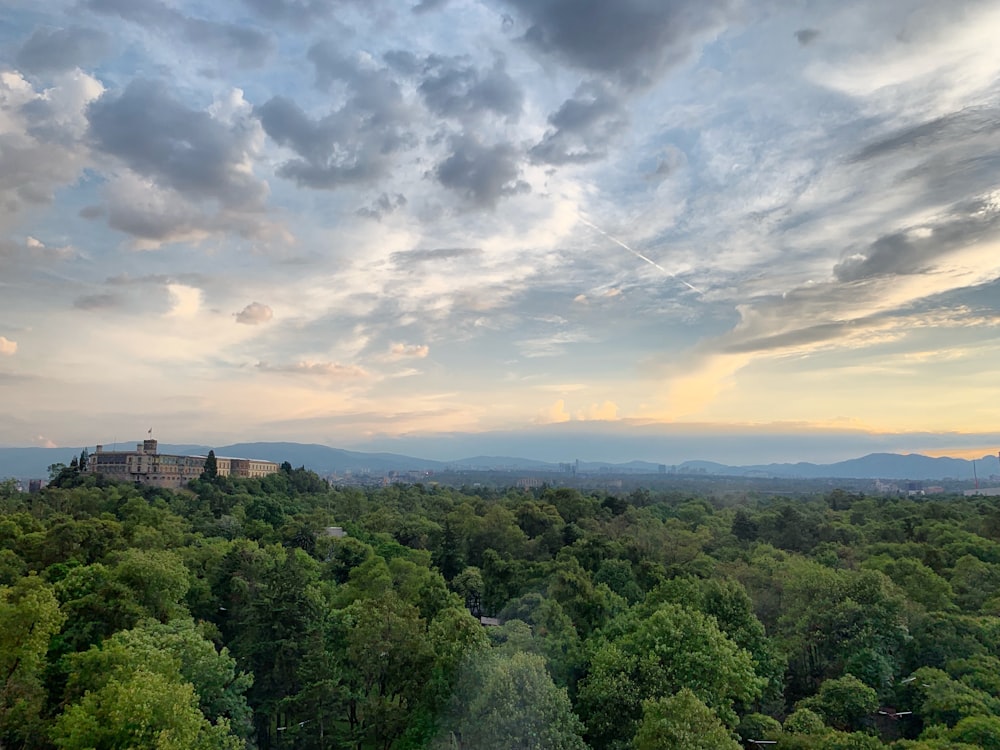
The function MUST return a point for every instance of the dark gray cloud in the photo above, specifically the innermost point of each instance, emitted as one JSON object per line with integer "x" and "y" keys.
{"x": 671, "y": 160}
{"x": 425, "y": 6}
{"x": 55, "y": 50}
{"x": 161, "y": 138}
{"x": 92, "y": 212}
{"x": 383, "y": 205}
{"x": 295, "y": 12}
{"x": 820, "y": 313}
{"x": 191, "y": 279}
{"x": 813, "y": 334}
{"x": 247, "y": 46}
{"x": 97, "y": 302}
{"x": 903, "y": 253}
{"x": 454, "y": 87}
{"x": 583, "y": 127}
{"x": 419, "y": 256}
{"x": 481, "y": 174}
{"x": 806, "y": 36}
{"x": 351, "y": 145}
{"x": 162, "y": 224}
{"x": 633, "y": 41}
{"x": 942, "y": 131}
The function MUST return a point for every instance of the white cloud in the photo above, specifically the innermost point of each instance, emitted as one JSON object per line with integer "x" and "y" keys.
{"x": 41, "y": 133}
{"x": 254, "y": 314}
{"x": 408, "y": 351}
{"x": 332, "y": 370}
{"x": 7, "y": 346}
{"x": 604, "y": 412}
{"x": 185, "y": 301}
{"x": 554, "y": 414}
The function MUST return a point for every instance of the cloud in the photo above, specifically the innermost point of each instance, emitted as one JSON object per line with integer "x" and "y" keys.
{"x": 632, "y": 41}
{"x": 405, "y": 258}
{"x": 604, "y": 412}
{"x": 7, "y": 346}
{"x": 554, "y": 414}
{"x": 669, "y": 163}
{"x": 425, "y": 6}
{"x": 185, "y": 301}
{"x": 41, "y": 139}
{"x": 189, "y": 171}
{"x": 36, "y": 247}
{"x": 408, "y": 351}
{"x": 557, "y": 413}
{"x": 161, "y": 138}
{"x": 914, "y": 251}
{"x": 297, "y": 13}
{"x": 190, "y": 279}
{"x": 582, "y": 127}
{"x": 454, "y": 87}
{"x": 806, "y": 37}
{"x": 383, "y": 205}
{"x": 247, "y": 46}
{"x": 254, "y": 314}
{"x": 56, "y": 50}
{"x": 97, "y": 302}
{"x": 481, "y": 174}
{"x": 331, "y": 370}
{"x": 945, "y": 131}
{"x": 354, "y": 144}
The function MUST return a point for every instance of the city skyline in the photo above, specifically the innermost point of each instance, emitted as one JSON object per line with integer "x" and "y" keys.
{"x": 372, "y": 224}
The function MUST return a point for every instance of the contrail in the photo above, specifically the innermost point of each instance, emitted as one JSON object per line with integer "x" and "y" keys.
{"x": 639, "y": 255}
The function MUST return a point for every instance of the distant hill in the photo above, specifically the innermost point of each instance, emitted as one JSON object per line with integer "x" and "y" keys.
{"x": 30, "y": 463}
{"x": 873, "y": 466}
{"x": 325, "y": 460}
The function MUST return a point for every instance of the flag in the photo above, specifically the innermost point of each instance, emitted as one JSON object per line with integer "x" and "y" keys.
{"x": 151, "y": 432}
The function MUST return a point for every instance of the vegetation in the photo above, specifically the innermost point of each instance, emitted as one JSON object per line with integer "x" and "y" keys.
{"x": 232, "y": 615}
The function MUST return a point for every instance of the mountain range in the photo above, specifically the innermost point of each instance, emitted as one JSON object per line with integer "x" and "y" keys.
{"x": 28, "y": 463}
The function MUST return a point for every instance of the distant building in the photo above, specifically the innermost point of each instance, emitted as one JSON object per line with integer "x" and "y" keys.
{"x": 985, "y": 491}
{"x": 147, "y": 466}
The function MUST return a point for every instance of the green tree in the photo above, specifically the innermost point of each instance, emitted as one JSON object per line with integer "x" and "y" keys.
{"x": 211, "y": 470}
{"x": 387, "y": 665}
{"x": 979, "y": 731}
{"x": 29, "y": 617}
{"x": 510, "y": 702}
{"x": 158, "y": 579}
{"x": 180, "y": 652}
{"x": 141, "y": 709}
{"x": 681, "y": 721}
{"x": 844, "y": 702}
{"x": 672, "y": 649}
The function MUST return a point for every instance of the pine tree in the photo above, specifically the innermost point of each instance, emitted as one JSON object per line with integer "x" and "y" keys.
{"x": 211, "y": 470}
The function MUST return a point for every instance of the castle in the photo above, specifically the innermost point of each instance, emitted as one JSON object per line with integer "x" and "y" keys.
{"x": 146, "y": 466}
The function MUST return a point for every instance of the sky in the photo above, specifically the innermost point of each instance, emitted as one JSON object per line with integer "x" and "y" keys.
{"x": 402, "y": 223}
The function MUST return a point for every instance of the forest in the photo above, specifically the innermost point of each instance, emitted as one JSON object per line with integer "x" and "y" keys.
{"x": 286, "y": 613}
